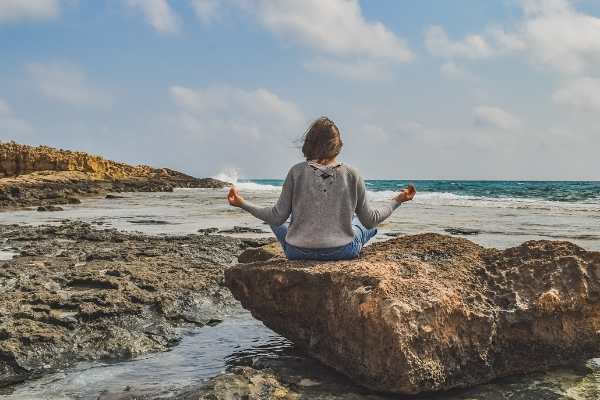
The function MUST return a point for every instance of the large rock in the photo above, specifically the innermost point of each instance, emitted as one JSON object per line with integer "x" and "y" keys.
{"x": 432, "y": 312}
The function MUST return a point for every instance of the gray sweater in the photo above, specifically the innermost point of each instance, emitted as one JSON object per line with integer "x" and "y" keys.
{"x": 322, "y": 209}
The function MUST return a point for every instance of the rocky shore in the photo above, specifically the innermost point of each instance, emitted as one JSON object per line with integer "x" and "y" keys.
{"x": 43, "y": 176}
{"x": 78, "y": 293}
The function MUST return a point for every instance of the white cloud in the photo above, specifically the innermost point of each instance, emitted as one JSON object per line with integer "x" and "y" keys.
{"x": 359, "y": 69}
{"x": 492, "y": 42}
{"x": 496, "y": 117}
{"x": 552, "y": 33}
{"x": 342, "y": 41}
{"x": 337, "y": 30}
{"x": 36, "y": 10}
{"x": 559, "y": 36}
{"x": 549, "y": 7}
{"x": 453, "y": 70}
{"x": 158, "y": 14}
{"x": 373, "y": 135}
{"x": 226, "y": 112}
{"x": 472, "y": 46}
{"x": 563, "y": 136}
{"x": 460, "y": 141}
{"x": 4, "y": 107}
{"x": 580, "y": 93}
{"x": 65, "y": 81}
{"x": 334, "y": 27}
{"x": 11, "y": 126}
{"x": 206, "y": 10}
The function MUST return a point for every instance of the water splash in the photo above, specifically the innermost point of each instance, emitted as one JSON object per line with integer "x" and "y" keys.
{"x": 230, "y": 173}
{"x": 235, "y": 176}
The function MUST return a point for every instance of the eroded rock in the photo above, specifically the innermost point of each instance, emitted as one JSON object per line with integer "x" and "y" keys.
{"x": 78, "y": 293}
{"x": 432, "y": 312}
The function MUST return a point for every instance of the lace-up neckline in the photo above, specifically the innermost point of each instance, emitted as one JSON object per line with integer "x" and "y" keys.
{"x": 324, "y": 174}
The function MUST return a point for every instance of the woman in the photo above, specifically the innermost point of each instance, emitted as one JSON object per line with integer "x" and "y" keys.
{"x": 322, "y": 212}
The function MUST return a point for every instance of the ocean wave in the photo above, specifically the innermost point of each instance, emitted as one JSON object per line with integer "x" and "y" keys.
{"x": 454, "y": 200}
{"x": 253, "y": 186}
{"x": 428, "y": 198}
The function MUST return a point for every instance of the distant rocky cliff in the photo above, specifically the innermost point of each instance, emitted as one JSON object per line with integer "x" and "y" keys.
{"x": 17, "y": 159}
{"x": 41, "y": 176}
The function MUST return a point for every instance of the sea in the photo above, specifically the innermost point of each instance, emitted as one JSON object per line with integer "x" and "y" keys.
{"x": 498, "y": 214}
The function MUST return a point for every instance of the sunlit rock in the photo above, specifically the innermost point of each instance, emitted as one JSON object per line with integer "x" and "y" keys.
{"x": 432, "y": 312}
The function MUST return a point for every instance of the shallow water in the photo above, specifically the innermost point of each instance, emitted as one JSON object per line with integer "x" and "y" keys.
{"x": 501, "y": 223}
{"x": 202, "y": 353}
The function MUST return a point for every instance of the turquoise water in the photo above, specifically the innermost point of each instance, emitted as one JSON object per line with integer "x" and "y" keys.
{"x": 586, "y": 192}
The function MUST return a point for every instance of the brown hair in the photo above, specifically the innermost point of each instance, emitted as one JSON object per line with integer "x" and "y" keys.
{"x": 321, "y": 141}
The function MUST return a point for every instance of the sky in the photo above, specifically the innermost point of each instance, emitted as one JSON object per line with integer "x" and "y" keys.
{"x": 436, "y": 89}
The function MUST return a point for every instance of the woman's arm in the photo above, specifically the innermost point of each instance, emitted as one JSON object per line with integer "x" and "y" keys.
{"x": 276, "y": 214}
{"x": 371, "y": 217}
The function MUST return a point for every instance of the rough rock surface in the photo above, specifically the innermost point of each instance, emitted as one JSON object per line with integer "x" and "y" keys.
{"x": 77, "y": 293}
{"x": 303, "y": 378}
{"x": 269, "y": 252}
{"x": 40, "y": 176}
{"x": 432, "y": 312}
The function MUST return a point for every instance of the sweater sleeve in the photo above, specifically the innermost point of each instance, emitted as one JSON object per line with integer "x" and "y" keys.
{"x": 278, "y": 213}
{"x": 368, "y": 216}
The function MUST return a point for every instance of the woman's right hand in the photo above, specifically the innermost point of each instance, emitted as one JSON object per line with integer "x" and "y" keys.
{"x": 234, "y": 198}
{"x": 407, "y": 194}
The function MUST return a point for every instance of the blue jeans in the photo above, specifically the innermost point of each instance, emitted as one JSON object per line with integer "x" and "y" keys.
{"x": 347, "y": 252}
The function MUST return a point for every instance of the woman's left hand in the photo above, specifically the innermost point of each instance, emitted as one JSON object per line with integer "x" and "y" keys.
{"x": 234, "y": 198}
{"x": 407, "y": 194}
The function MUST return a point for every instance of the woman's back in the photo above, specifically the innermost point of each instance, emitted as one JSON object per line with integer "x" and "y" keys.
{"x": 323, "y": 203}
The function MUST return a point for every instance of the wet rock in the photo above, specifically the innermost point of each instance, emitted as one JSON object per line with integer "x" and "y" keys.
{"x": 298, "y": 375}
{"x": 246, "y": 383}
{"x": 432, "y": 312}
{"x": 208, "y": 231}
{"x": 393, "y": 234}
{"x": 462, "y": 231}
{"x": 242, "y": 229}
{"x": 149, "y": 222}
{"x": 49, "y": 208}
{"x": 77, "y": 293}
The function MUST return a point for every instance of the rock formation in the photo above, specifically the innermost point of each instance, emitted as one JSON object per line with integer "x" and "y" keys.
{"x": 17, "y": 159}
{"x": 78, "y": 293}
{"x": 432, "y": 312}
{"x": 41, "y": 176}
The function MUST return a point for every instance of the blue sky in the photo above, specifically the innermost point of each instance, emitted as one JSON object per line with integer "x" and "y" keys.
{"x": 432, "y": 89}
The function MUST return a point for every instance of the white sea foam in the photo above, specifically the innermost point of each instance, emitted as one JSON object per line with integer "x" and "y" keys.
{"x": 258, "y": 187}
{"x": 230, "y": 173}
{"x": 235, "y": 176}
{"x": 454, "y": 200}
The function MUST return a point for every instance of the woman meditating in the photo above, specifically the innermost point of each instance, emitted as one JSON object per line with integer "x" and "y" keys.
{"x": 322, "y": 212}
